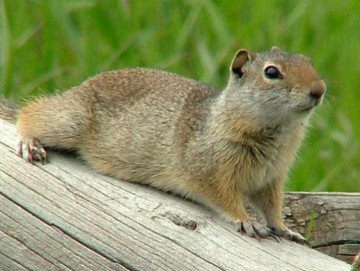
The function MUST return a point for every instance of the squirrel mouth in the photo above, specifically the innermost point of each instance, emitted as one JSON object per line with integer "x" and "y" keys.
{"x": 305, "y": 109}
{"x": 308, "y": 106}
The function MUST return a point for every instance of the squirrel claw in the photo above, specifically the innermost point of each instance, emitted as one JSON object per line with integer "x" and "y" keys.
{"x": 31, "y": 150}
{"x": 256, "y": 230}
{"x": 290, "y": 235}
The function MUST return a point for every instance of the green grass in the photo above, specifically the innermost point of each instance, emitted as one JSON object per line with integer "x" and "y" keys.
{"x": 53, "y": 45}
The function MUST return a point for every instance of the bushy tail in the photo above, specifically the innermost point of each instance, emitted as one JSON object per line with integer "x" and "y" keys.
{"x": 8, "y": 110}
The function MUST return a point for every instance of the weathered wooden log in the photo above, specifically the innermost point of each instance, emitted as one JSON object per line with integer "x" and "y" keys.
{"x": 63, "y": 216}
{"x": 330, "y": 220}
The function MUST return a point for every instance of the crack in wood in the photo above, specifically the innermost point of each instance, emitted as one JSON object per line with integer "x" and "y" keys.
{"x": 94, "y": 249}
{"x": 21, "y": 242}
{"x": 336, "y": 243}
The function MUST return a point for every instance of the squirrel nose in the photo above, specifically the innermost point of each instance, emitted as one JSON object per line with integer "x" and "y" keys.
{"x": 317, "y": 90}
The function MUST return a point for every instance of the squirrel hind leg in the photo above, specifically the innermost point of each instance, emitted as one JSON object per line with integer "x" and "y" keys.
{"x": 58, "y": 122}
{"x": 31, "y": 150}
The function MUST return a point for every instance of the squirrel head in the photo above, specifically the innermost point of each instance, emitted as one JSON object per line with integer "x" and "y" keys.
{"x": 273, "y": 87}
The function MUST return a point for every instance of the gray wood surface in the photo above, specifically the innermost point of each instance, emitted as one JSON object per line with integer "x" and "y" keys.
{"x": 63, "y": 216}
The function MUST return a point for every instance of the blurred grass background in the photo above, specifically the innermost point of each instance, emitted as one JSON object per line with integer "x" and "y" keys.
{"x": 52, "y": 45}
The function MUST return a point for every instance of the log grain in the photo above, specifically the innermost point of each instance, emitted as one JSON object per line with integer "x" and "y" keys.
{"x": 64, "y": 216}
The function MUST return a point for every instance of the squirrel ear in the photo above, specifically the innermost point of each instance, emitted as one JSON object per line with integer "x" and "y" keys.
{"x": 275, "y": 49}
{"x": 241, "y": 57}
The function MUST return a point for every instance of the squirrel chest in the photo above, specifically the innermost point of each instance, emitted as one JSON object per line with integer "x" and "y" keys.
{"x": 258, "y": 160}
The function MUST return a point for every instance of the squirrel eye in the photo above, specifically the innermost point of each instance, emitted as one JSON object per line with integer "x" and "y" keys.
{"x": 271, "y": 72}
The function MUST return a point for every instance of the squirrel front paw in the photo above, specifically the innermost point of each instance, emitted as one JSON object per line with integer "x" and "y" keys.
{"x": 31, "y": 150}
{"x": 254, "y": 229}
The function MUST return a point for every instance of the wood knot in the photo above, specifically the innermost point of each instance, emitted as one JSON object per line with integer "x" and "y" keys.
{"x": 183, "y": 222}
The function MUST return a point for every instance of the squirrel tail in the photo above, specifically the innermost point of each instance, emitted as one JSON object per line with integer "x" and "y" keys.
{"x": 8, "y": 110}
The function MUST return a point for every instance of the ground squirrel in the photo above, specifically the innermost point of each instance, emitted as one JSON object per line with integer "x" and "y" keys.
{"x": 157, "y": 128}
